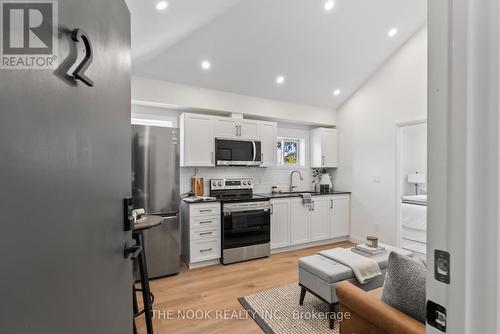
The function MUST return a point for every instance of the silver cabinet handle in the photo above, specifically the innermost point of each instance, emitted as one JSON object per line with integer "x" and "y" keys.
{"x": 206, "y": 222}
{"x": 331, "y": 204}
{"x": 206, "y": 233}
{"x": 236, "y": 126}
{"x": 323, "y": 160}
{"x": 272, "y": 208}
{"x": 312, "y": 205}
{"x": 206, "y": 250}
{"x": 206, "y": 210}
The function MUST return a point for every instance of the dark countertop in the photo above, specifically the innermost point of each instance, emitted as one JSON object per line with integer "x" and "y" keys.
{"x": 204, "y": 201}
{"x": 297, "y": 194}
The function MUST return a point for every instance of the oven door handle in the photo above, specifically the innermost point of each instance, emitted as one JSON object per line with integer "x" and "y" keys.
{"x": 247, "y": 212}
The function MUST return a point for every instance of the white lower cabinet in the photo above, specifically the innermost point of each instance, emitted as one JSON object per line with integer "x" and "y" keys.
{"x": 340, "y": 216}
{"x": 320, "y": 218}
{"x": 280, "y": 225}
{"x": 201, "y": 233}
{"x": 300, "y": 215}
{"x": 293, "y": 223}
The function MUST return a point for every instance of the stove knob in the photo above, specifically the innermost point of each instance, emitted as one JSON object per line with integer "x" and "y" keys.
{"x": 244, "y": 183}
{"x": 249, "y": 183}
{"x": 214, "y": 183}
{"x": 220, "y": 183}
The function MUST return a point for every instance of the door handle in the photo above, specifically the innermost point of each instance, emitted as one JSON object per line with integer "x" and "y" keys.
{"x": 131, "y": 251}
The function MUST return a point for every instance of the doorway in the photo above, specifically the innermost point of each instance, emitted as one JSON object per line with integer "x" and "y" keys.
{"x": 411, "y": 181}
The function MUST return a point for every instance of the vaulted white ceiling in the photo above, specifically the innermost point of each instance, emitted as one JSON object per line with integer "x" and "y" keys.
{"x": 251, "y": 42}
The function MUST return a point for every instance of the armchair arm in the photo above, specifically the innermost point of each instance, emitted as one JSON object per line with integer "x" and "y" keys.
{"x": 377, "y": 313}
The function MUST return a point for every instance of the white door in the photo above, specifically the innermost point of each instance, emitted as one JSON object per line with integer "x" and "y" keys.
{"x": 320, "y": 219}
{"x": 329, "y": 148}
{"x": 280, "y": 223}
{"x": 248, "y": 129}
{"x": 199, "y": 144}
{"x": 299, "y": 222}
{"x": 268, "y": 138}
{"x": 225, "y": 127}
{"x": 340, "y": 216}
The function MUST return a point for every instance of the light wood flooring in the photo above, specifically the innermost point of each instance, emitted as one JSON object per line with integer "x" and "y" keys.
{"x": 218, "y": 287}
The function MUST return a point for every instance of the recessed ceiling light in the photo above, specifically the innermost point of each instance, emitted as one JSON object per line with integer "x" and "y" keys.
{"x": 162, "y": 5}
{"x": 206, "y": 65}
{"x": 280, "y": 80}
{"x": 329, "y": 5}
{"x": 393, "y": 32}
{"x": 337, "y": 92}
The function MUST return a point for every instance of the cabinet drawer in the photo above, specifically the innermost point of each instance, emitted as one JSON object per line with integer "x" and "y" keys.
{"x": 205, "y": 250}
{"x": 205, "y": 209}
{"x": 205, "y": 222}
{"x": 205, "y": 233}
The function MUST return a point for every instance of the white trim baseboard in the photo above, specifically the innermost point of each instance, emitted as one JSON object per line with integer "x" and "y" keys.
{"x": 308, "y": 244}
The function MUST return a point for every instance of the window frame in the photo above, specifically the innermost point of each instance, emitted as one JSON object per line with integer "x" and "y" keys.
{"x": 299, "y": 145}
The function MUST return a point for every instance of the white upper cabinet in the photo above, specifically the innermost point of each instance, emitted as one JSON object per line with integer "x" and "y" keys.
{"x": 320, "y": 218}
{"x": 249, "y": 129}
{"x": 226, "y": 127}
{"x": 324, "y": 148}
{"x": 267, "y": 134}
{"x": 198, "y": 133}
{"x": 197, "y": 141}
{"x": 340, "y": 216}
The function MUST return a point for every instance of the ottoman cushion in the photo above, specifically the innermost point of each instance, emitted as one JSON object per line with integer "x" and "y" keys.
{"x": 325, "y": 269}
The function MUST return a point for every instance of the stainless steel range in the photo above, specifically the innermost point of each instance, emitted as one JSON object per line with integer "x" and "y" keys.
{"x": 246, "y": 220}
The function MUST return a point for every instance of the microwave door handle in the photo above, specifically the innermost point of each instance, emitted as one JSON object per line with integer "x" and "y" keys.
{"x": 254, "y": 150}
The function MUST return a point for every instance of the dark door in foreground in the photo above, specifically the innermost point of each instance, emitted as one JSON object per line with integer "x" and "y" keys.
{"x": 65, "y": 168}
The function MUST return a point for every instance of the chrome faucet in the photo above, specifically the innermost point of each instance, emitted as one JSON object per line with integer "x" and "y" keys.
{"x": 291, "y": 179}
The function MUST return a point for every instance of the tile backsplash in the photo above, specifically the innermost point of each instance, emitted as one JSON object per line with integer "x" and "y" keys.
{"x": 263, "y": 178}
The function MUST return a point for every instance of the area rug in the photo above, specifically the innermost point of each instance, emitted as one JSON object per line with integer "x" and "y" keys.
{"x": 277, "y": 311}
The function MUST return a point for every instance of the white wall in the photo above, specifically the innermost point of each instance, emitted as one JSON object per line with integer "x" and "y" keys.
{"x": 264, "y": 178}
{"x": 177, "y": 96}
{"x": 367, "y": 137}
{"x": 413, "y": 156}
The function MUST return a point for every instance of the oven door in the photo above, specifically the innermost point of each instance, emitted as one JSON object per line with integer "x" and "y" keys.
{"x": 237, "y": 152}
{"x": 246, "y": 228}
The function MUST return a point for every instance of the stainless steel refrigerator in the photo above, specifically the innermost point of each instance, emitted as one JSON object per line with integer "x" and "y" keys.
{"x": 155, "y": 187}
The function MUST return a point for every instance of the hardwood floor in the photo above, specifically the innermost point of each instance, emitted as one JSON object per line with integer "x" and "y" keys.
{"x": 218, "y": 287}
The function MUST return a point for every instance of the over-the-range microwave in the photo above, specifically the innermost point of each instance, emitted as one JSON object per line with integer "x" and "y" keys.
{"x": 232, "y": 152}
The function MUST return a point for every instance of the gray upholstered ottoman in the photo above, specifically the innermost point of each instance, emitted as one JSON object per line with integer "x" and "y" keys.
{"x": 319, "y": 275}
